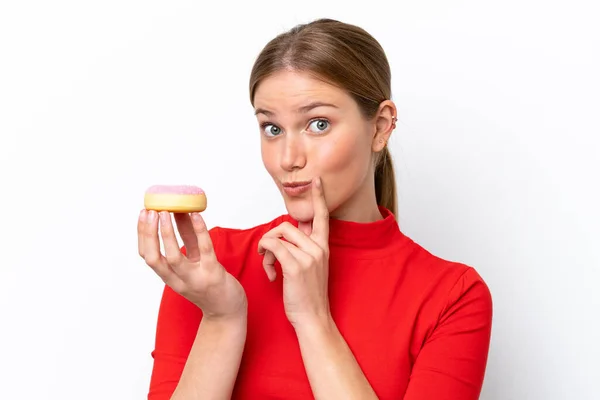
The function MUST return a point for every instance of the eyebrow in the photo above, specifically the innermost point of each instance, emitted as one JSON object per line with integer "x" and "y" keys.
{"x": 303, "y": 109}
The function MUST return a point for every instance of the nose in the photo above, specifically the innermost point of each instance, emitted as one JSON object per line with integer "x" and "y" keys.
{"x": 293, "y": 155}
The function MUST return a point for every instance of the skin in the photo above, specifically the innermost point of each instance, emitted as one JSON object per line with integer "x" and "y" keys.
{"x": 295, "y": 147}
{"x": 214, "y": 360}
{"x": 333, "y": 148}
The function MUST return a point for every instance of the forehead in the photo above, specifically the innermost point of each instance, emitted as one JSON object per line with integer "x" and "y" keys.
{"x": 292, "y": 89}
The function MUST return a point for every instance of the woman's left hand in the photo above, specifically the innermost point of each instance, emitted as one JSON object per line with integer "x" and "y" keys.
{"x": 303, "y": 253}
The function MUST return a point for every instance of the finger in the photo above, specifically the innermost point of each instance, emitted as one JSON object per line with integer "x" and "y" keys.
{"x": 172, "y": 253}
{"x": 151, "y": 240}
{"x": 205, "y": 245}
{"x": 320, "y": 226}
{"x": 293, "y": 235}
{"x": 269, "y": 265}
{"x": 152, "y": 254}
{"x": 186, "y": 231}
{"x": 140, "y": 232}
{"x": 288, "y": 262}
{"x": 303, "y": 259}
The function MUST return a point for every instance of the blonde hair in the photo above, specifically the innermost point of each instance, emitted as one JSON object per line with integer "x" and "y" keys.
{"x": 346, "y": 56}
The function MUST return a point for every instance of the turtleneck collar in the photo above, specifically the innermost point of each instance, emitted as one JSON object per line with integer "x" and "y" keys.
{"x": 378, "y": 235}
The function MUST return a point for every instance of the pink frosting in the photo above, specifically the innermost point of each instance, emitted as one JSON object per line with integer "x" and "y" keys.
{"x": 175, "y": 189}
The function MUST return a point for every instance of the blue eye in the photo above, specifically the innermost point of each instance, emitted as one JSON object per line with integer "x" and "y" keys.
{"x": 271, "y": 130}
{"x": 319, "y": 125}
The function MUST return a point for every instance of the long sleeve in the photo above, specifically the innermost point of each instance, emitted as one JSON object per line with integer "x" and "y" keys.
{"x": 176, "y": 328}
{"x": 418, "y": 325}
{"x": 451, "y": 364}
{"x": 177, "y": 325}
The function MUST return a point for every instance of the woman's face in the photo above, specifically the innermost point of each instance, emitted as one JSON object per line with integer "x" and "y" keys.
{"x": 312, "y": 129}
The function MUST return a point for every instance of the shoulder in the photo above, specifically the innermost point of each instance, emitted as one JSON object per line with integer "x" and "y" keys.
{"x": 446, "y": 283}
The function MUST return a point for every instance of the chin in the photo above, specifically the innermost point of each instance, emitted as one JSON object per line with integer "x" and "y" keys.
{"x": 301, "y": 211}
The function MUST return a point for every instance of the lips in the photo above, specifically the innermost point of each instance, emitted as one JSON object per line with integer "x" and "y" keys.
{"x": 296, "y": 184}
{"x": 296, "y": 188}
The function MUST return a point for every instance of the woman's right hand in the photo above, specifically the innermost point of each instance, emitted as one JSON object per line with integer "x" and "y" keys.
{"x": 198, "y": 276}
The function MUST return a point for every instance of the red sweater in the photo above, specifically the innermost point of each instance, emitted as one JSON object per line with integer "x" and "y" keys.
{"x": 419, "y": 326}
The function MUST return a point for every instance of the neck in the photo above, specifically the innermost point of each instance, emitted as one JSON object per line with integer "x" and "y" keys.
{"x": 362, "y": 207}
{"x": 368, "y": 238}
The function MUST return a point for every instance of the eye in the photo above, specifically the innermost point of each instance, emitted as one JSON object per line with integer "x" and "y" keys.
{"x": 319, "y": 125}
{"x": 271, "y": 130}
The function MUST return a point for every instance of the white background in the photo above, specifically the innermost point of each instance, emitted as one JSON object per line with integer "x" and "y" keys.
{"x": 496, "y": 153}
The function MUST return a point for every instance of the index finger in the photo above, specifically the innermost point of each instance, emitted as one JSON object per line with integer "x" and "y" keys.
{"x": 186, "y": 231}
{"x": 205, "y": 245}
{"x": 320, "y": 229}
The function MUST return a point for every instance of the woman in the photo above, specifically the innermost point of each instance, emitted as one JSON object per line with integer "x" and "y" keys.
{"x": 331, "y": 300}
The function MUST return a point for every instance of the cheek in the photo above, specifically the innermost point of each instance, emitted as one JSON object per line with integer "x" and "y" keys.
{"x": 343, "y": 156}
{"x": 268, "y": 158}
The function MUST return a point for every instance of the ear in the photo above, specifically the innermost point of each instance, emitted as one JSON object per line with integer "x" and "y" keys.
{"x": 385, "y": 123}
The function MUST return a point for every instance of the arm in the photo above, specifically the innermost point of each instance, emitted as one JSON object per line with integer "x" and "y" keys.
{"x": 331, "y": 368}
{"x": 194, "y": 358}
{"x": 330, "y": 365}
{"x": 197, "y": 353}
{"x": 212, "y": 366}
{"x": 451, "y": 364}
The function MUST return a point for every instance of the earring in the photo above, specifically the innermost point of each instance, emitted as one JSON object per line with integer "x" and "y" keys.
{"x": 394, "y": 119}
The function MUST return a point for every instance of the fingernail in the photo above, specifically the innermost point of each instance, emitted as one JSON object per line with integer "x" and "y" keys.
{"x": 151, "y": 216}
{"x": 195, "y": 216}
{"x": 163, "y": 216}
{"x": 142, "y": 215}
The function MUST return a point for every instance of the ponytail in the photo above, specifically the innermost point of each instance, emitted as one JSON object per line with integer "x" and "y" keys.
{"x": 385, "y": 182}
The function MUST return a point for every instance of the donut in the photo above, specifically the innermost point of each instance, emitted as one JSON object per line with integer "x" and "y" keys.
{"x": 175, "y": 198}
